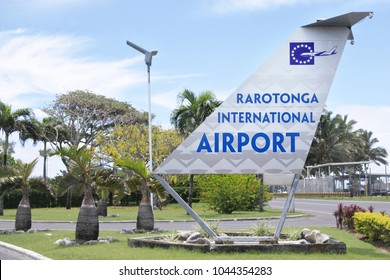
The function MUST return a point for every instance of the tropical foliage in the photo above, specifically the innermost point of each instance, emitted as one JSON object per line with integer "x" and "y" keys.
{"x": 131, "y": 141}
{"x": 84, "y": 172}
{"x": 337, "y": 140}
{"x": 191, "y": 112}
{"x": 375, "y": 225}
{"x": 19, "y": 177}
{"x": 139, "y": 177}
{"x": 229, "y": 193}
{"x": 83, "y": 115}
{"x": 11, "y": 121}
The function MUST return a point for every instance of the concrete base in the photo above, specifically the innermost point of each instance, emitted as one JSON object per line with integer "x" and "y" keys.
{"x": 336, "y": 246}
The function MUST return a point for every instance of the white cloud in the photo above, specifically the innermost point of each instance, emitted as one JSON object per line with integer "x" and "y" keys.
{"x": 35, "y": 67}
{"x": 41, "y": 64}
{"x": 165, "y": 99}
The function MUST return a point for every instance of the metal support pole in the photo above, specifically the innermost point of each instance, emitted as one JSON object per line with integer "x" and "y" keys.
{"x": 150, "y": 123}
{"x": 148, "y": 61}
{"x": 189, "y": 210}
{"x": 286, "y": 207}
{"x": 386, "y": 188}
{"x": 205, "y": 227}
{"x": 150, "y": 134}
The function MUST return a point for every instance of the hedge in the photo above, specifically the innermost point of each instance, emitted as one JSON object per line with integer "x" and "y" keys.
{"x": 375, "y": 226}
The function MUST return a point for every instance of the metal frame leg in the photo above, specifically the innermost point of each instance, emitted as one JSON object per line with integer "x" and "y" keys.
{"x": 286, "y": 207}
{"x": 186, "y": 207}
{"x": 221, "y": 239}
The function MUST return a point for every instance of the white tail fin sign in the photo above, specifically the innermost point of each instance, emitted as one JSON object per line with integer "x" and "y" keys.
{"x": 266, "y": 126}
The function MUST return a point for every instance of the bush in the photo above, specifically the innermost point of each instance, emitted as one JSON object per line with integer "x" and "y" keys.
{"x": 263, "y": 229}
{"x": 228, "y": 193}
{"x": 375, "y": 226}
{"x": 344, "y": 215}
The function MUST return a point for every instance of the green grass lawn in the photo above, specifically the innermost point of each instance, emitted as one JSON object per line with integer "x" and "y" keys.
{"x": 43, "y": 243}
{"x": 125, "y": 213}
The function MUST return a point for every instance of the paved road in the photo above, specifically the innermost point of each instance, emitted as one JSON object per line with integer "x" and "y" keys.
{"x": 321, "y": 214}
{"x": 323, "y": 210}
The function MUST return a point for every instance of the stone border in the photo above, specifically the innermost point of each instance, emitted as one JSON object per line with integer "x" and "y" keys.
{"x": 336, "y": 246}
{"x": 159, "y": 242}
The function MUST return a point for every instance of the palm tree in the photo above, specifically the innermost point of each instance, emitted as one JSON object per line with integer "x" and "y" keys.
{"x": 83, "y": 172}
{"x": 23, "y": 213}
{"x": 192, "y": 111}
{"x": 46, "y": 133}
{"x": 107, "y": 182}
{"x": 6, "y": 172}
{"x": 334, "y": 140}
{"x": 140, "y": 178}
{"x": 20, "y": 121}
{"x": 81, "y": 167}
{"x": 18, "y": 177}
{"x": 368, "y": 151}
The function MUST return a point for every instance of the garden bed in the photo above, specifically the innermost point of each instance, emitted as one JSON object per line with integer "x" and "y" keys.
{"x": 328, "y": 245}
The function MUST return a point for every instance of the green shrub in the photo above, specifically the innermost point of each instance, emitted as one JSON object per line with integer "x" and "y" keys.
{"x": 344, "y": 215}
{"x": 228, "y": 193}
{"x": 375, "y": 226}
{"x": 263, "y": 228}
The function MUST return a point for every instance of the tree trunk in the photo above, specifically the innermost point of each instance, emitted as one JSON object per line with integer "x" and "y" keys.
{"x": 44, "y": 160}
{"x": 261, "y": 194}
{"x": 5, "y": 151}
{"x": 87, "y": 227}
{"x": 23, "y": 214}
{"x": 102, "y": 208}
{"x": 69, "y": 198}
{"x": 145, "y": 217}
{"x": 2, "y": 205}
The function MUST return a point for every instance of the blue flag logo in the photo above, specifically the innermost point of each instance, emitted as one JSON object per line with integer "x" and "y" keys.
{"x": 302, "y": 53}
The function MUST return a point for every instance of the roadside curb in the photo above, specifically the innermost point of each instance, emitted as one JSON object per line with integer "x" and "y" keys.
{"x": 30, "y": 254}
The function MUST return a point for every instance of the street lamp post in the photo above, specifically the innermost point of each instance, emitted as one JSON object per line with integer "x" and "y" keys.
{"x": 148, "y": 61}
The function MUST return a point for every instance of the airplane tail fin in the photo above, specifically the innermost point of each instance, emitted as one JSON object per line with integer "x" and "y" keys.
{"x": 266, "y": 126}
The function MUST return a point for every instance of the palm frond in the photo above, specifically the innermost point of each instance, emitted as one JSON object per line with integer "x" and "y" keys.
{"x": 137, "y": 166}
{"x": 25, "y": 170}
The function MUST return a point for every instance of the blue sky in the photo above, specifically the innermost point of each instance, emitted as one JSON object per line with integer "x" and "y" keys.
{"x": 52, "y": 47}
